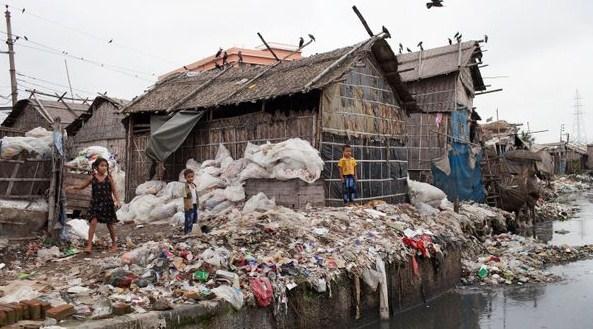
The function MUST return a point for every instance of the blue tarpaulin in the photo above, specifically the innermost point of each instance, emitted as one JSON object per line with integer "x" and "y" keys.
{"x": 463, "y": 182}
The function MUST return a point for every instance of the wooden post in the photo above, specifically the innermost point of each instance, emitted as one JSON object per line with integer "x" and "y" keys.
{"x": 51, "y": 220}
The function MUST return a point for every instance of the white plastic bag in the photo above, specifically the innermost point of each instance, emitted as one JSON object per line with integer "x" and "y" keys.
{"x": 173, "y": 190}
{"x": 259, "y": 202}
{"x": 163, "y": 211}
{"x": 178, "y": 219}
{"x": 38, "y": 132}
{"x": 232, "y": 295}
{"x": 235, "y": 193}
{"x": 253, "y": 170}
{"x": 79, "y": 228}
{"x": 426, "y": 193}
{"x": 142, "y": 205}
{"x": 150, "y": 187}
{"x": 206, "y": 181}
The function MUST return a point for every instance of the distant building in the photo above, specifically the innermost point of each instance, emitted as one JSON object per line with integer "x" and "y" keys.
{"x": 32, "y": 113}
{"x": 259, "y": 56}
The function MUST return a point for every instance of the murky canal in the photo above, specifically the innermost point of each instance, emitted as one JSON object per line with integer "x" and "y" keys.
{"x": 567, "y": 304}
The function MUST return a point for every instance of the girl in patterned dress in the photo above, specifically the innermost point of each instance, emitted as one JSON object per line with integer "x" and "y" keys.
{"x": 104, "y": 201}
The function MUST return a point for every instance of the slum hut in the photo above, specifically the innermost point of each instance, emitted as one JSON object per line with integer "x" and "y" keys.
{"x": 31, "y": 113}
{"x": 589, "y": 164}
{"x": 350, "y": 95}
{"x": 568, "y": 158}
{"x": 100, "y": 125}
{"x": 443, "y": 137}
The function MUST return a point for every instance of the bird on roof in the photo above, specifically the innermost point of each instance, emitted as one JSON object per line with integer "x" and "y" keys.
{"x": 459, "y": 37}
{"x": 225, "y": 56}
{"x": 434, "y": 3}
{"x": 401, "y": 47}
{"x": 450, "y": 41}
{"x": 185, "y": 68}
{"x": 240, "y": 54}
{"x": 25, "y": 37}
{"x": 456, "y": 35}
{"x": 420, "y": 46}
{"x": 301, "y": 42}
{"x": 409, "y": 50}
{"x": 110, "y": 41}
{"x": 23, "y": 11}
{"x": 312, "y": 37}
{"x": 218, "y": 53}
{"x": 486, "y": 38}
{"x": 386, "y": 31}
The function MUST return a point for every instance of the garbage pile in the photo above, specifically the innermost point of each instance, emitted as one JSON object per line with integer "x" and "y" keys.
{"x": 554, "y": 205}
{"x": 36, "y": 144}
{"x": 513, "y": 259}
{"x": 220, "y": 181}
{"x": 83, "y": 163}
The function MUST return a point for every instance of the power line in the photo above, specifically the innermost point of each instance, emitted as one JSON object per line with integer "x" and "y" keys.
{"x": 52, "y": 50}
{"x": 53, "y": 83}
{"x": 104, "y": 40}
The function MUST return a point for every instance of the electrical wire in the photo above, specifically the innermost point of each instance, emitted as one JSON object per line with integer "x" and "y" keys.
{"x": 48, "y": 49}
{"x": 54, "y": 83}
{"x": 104, "y": 40}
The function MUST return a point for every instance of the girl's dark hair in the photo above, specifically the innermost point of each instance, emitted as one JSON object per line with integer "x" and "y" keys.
{"x": 98, "y": 161}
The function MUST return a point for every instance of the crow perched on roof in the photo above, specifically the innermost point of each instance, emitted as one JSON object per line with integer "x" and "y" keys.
{"x": 459, "y": 37}
{"x": 301, "y": 42}
{"x": 420, "y": 45}
{"x": 456, "y": 35}
{"x": 218, "y": 53}
{"x": 240, "y": 54}
{"x": 450, "y": 41}
{"x": 185, "y": 68}
{"x": 409, "y": 50}
{"x": 434, "y": 3}
{"x": 312, "y": 37}
{"x": 386, "y": 31}
{"x": 486, "y": 38}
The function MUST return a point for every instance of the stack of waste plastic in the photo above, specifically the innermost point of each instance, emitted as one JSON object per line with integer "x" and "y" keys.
{"x": 36, "y": 143}
{"x": 220, "y": 181}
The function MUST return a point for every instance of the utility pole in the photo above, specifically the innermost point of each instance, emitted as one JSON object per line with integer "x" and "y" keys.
{"x": 14, "y": 92}
{"x": 68, "y": 76}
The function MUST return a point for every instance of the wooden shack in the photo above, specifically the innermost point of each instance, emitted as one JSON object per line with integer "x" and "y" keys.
{"x": 568, "y": 158}
{"x": 31, "y": 113}
{"x": 444, "y": 82}
{"x": 350, "y": 95}
{"x": 100, "y": 125}
{"x": 443, "y": 137}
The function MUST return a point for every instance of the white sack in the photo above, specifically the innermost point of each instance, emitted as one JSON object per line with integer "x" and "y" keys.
{"x": 259, "y": 202}
{"x": 150, "y": 187}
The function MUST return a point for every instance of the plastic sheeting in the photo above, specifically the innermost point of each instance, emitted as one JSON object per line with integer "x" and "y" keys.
{"x": 171, "y": 134}
{"x": 464, "y": 182}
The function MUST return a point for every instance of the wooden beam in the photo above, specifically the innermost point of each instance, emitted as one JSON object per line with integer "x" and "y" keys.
{"x": 488, "y": 92}
{"x": 363, "y": 21}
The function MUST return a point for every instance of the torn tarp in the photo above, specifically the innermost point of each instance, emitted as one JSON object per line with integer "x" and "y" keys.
{"x": 171, "y": 134}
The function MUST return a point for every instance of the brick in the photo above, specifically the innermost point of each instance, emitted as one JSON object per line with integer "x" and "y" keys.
{"x": 3, "y": 319}
{"x": 26, "y": 311}
{"x": 44, "y": 307}
{"x": 34, "y": 309}
{"x": 18, "y": 311}
{"x": 121, "y": 309}
{"x": 60, "y": 312}
{"x": 10, "y": 314}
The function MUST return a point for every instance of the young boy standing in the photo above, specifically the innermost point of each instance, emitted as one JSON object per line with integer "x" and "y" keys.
{"x": 347, "y": 166}
{"x": 190, "y": 201}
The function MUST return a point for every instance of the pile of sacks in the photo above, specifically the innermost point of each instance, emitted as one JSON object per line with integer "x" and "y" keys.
{"x": 83, "y": 163}
{"x": 220, "y": 181}
{"x": 427, "y": 198}
{"x": 36, "y": 142}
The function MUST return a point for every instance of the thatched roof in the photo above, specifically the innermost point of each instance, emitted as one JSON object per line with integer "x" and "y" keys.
{"x": 212, "y": 89}
{"x": 67, "y": 112}
{"x": 98, "y": 101}
{"x": 440, "y": 61}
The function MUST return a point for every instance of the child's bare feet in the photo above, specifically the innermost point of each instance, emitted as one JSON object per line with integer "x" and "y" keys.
{"x": 89, "y": 248}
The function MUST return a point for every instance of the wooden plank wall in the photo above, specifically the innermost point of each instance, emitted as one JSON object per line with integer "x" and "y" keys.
{"x": 11, "y": 132}
{"x": 24, "y": 178}
{"x": 426, "y": 141}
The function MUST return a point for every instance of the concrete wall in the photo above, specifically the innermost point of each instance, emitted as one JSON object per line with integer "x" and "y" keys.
{"x": 308, "y": 309}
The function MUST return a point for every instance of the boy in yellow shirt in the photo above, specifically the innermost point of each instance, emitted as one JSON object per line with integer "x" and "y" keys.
{"x": 347, "y": 167}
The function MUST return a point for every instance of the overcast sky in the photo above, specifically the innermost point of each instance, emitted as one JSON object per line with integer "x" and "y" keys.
{"x": 540, "y": 50}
